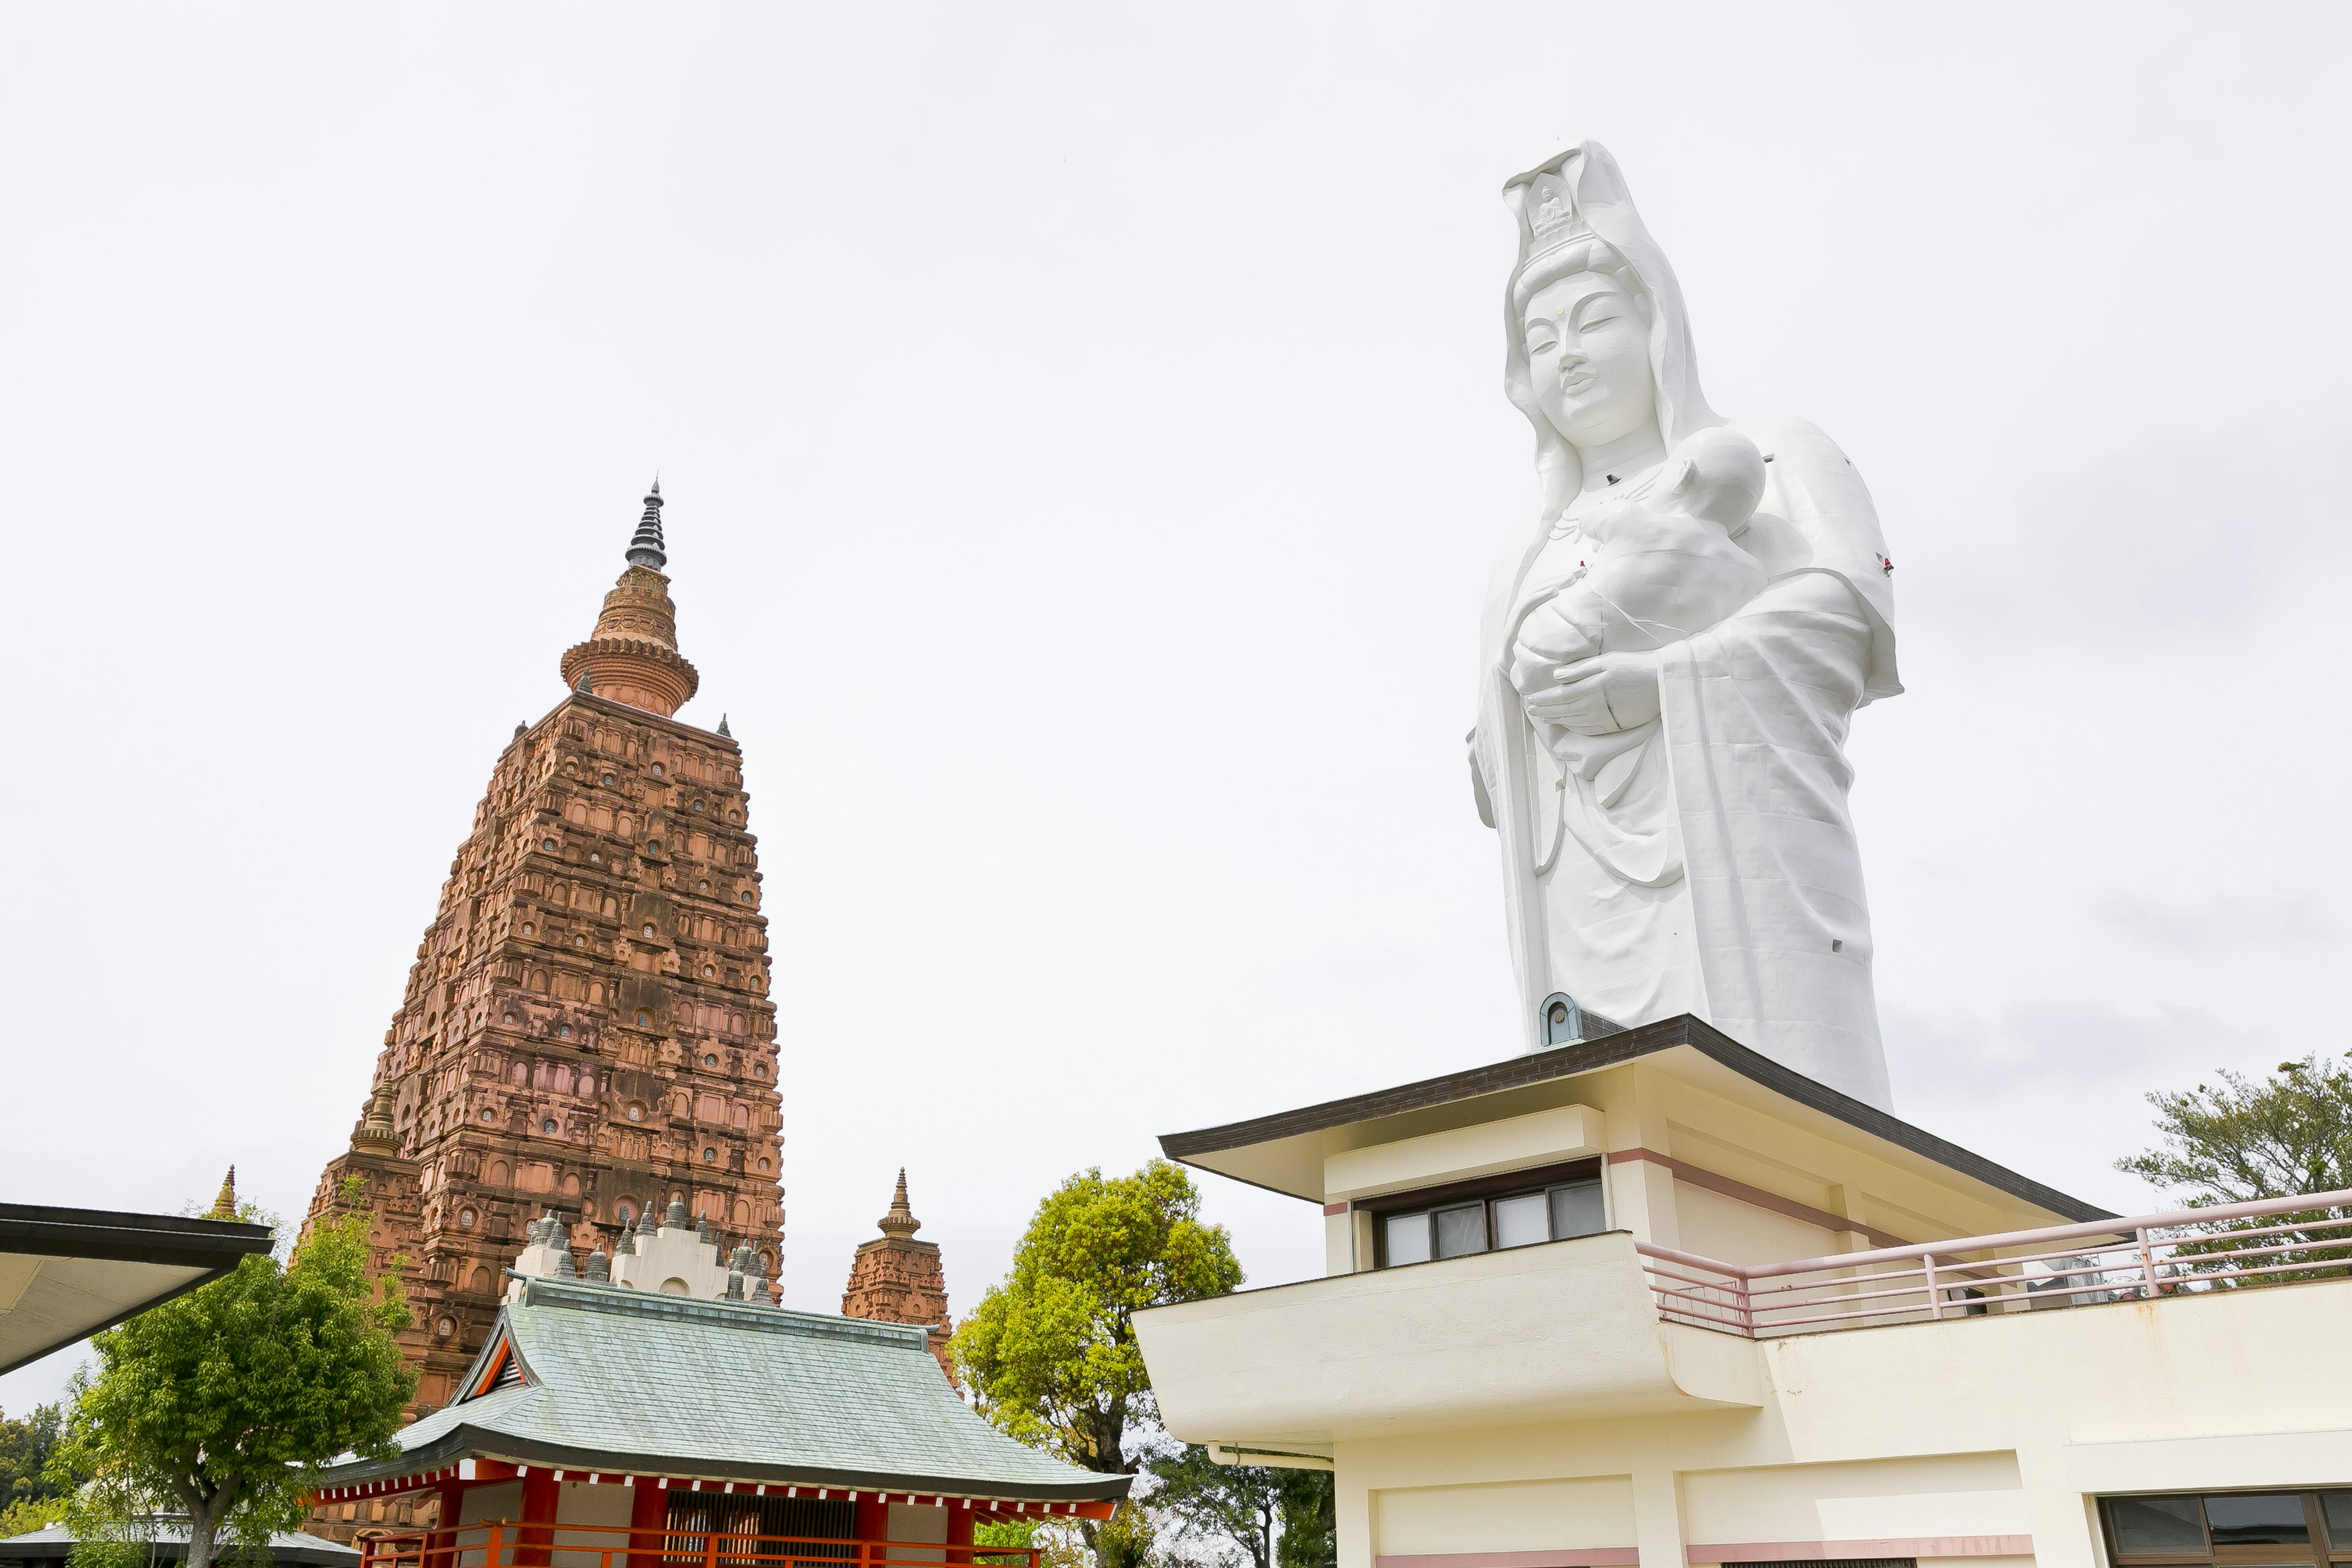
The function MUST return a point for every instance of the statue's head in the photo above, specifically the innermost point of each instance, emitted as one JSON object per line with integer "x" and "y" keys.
{"x": 1585, "y": 334}
{"x": 1596, "y": 340}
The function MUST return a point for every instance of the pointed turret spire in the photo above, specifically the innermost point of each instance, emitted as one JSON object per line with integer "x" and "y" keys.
{"x": 646, "y": 547}
{"x": 225, "y": 1205}
{"x": 632, "y": 656}
{"x": 723, "y": 729}
{"x": 900, "y": 1222}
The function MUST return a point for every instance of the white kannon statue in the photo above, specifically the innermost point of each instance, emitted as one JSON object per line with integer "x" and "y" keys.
{"x": 1670, "y": 654}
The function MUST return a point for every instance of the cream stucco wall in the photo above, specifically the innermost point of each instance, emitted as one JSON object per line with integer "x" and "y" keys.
{"x": 1691, "y": 1162}
{"x": 1983, "y": 1438}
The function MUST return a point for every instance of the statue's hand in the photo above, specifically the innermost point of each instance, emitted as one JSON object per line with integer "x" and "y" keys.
{"x": 1601, "y": 695}
{"x": 1547, "y": 639}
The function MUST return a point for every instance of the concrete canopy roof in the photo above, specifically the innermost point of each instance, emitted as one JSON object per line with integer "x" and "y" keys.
{"x": 641, "y": 1383}
{"x": 1285, "y": 1152}
{"x": 67, "y": 1273}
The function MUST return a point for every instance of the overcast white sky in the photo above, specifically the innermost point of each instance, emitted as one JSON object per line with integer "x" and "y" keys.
{"x": 1084, "y": 444}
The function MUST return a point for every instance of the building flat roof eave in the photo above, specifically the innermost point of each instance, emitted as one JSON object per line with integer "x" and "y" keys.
{"x": 187, "y": 1252}
{"x": 1612, "y": 1050}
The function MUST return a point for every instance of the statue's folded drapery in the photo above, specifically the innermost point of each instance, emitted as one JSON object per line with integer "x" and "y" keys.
{"x": 1720, "y": 875}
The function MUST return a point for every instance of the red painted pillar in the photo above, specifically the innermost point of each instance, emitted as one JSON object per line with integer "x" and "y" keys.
{"x": 873, "y": 1529}
{"x": 440, "y": 1546}
{"x": 648, "y": 1513}
{"x": 959, "y": 1517}
{"x": 538, "y": 1494}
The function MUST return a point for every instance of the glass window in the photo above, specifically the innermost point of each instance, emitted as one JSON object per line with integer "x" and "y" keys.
{"x": 2257, "y": 1519}
{"x": 2156, "y": 1524}
{"x": 2337, "y": 1505}
{"x": 1521, "y": 1221}
{"x": 1408, "y": 1237}
{"x": 1462, "y": 1231}
{"x": 1575, "y": 1210}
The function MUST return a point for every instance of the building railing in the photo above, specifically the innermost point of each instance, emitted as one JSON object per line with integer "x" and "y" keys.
{"x": 505, "y": 1543}
{"x": 2184, "y": 1252}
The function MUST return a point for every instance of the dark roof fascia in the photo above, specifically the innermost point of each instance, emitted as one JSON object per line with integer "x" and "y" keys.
{"x": 1610, "y": 1050}
{"x": 214, "y": 1246}
{"x": 172, "y": 1240}
{"x": 463, "y": 1442}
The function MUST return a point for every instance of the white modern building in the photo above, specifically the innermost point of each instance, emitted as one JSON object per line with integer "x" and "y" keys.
{"x": 1654, "y": 1298}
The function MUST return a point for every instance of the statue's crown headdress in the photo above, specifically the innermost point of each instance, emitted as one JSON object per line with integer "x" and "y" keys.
{"x": 1555, "y": 235}
{"x": 1552, "y": 212}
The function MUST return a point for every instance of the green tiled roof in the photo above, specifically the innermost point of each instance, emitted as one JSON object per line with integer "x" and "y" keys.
{"x": 629, "y": 1381}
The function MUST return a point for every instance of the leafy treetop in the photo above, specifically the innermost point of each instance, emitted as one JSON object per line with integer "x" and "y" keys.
{"x": 1050, "y": 1353}
{"x": 2289, "y": 1133}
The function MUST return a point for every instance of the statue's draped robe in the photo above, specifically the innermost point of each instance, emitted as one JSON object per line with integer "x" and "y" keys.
{"x": 1705, "y": 862}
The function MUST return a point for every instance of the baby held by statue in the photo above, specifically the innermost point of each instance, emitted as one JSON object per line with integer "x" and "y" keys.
{"x": 1653, "y": 569}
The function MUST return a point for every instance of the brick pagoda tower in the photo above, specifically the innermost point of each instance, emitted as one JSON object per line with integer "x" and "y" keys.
{"x": 587, "y": 1027}
{"x": 896, "y": 1280}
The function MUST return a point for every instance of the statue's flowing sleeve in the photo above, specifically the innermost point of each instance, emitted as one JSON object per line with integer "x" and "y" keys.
{"x": 1756, "y": 713}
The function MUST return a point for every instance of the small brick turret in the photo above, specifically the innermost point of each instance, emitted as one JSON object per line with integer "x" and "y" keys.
{"x": 896, "y": 1280}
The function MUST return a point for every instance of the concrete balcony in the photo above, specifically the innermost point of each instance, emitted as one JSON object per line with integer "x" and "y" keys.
{"x": 1561, "y": 1330}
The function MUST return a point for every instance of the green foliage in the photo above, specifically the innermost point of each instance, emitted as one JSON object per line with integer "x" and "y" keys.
{"x": 1125, "y": 1540}
{"x": 1050, "y": 1353}
{"x": 2289, "y": 1133}
{"x": 221, "y": 1403}
{"x": 1213, "y": 1502}
{"x": 1277, "y": 1518}
{"x": 23, "y": 1517}
{"x": 1058, "y": 1545}
{"x": 1310, "y": 1521}
{"x": 28, "y": 1445}
{"x": 32, "y": 1487}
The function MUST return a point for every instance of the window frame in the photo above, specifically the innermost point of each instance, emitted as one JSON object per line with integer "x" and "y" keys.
{"x": 2319, "y": 1552}
{"x": 1486, "y": 1190}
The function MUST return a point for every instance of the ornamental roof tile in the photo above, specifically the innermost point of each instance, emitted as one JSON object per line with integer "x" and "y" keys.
{"x": 629, "y": 1381}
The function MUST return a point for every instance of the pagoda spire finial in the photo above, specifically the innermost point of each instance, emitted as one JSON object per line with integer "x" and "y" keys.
{"x": 632, "y": 656}
{"x": 645, "y": 546}
{"x": 225, "y": 1205}
{"x": 900, "y": 1222}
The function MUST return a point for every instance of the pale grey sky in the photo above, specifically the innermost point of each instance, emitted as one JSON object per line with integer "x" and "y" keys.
{"x": 1086, "y": 450}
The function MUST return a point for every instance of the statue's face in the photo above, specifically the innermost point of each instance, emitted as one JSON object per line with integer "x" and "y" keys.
{"x": 1588, "y": 343}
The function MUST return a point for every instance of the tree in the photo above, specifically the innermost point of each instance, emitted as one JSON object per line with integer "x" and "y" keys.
{"x": 1278, "y": 1518}
{"x": 31, "y": 1498}
{"x": 1310, "y": 1523}
{"x": 1236, "y": 1503}
{"x": 221, "y": 1404}
{"x": 1050, "y": 1354}
{"x": 2290, "y": 1133}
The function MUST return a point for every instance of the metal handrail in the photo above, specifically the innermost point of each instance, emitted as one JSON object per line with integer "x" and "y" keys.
{"x": 1926, "y": 1274}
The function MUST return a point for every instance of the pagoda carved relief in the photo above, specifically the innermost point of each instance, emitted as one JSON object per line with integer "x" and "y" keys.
{"x": 587, "y": 1028}
{"x": 895, "y": 1279}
